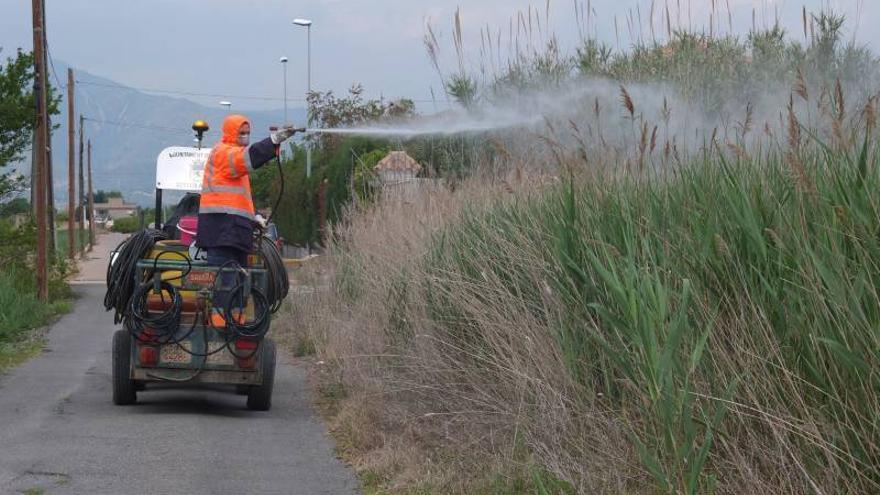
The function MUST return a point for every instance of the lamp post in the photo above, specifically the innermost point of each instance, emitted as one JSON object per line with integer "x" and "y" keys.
{"x": 228, "y": 105}
{"x": 283, "y": 61}
{"x": 307, "y": 23}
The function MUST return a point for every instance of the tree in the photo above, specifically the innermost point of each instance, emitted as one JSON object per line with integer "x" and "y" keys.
{"x": 17, "y": 114}
{"x": 326, "y": 110}
{"x": 102, "y": 196}
{"x": 16, "y": 107}
{"x": 342, "y": 165}
{"x": 15, "y": 207}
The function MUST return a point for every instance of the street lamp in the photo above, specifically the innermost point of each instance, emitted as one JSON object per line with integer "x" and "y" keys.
{"x": 228, "y": 105}
{"x": 306, "y": 23}
{"x": 283, "y": 61}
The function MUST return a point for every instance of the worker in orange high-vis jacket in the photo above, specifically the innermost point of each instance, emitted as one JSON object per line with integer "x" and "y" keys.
{"x": 226, "y": 209}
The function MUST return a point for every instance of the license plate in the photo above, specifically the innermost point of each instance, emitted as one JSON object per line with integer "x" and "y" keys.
{"x": 174, "y": 354}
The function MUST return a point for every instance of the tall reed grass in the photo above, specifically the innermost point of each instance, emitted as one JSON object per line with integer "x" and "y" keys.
{"x": 705, "y": 323}
{"x": 716, "y": 333}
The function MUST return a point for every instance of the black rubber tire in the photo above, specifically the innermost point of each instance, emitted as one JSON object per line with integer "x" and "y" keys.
{"x": 260, "y": 396}
{"x": 124, "y": 393}
{"x": 242, "y": 389}
{"x": 140, "y": 386}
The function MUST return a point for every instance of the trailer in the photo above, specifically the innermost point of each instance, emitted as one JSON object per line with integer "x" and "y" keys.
{"x": 163, "y": 292}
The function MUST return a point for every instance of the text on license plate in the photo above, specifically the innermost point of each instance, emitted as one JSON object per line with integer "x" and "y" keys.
{"x": 174, "y": 354}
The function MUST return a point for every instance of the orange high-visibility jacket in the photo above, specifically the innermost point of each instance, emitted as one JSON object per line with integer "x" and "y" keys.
{"x": 226, "y": 185}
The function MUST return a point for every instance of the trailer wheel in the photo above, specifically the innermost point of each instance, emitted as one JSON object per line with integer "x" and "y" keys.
{"x": 123, "y": 386}
{"x": 260, "y": 396}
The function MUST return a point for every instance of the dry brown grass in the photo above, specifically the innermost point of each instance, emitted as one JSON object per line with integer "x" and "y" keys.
{"x": 425, "y": 408}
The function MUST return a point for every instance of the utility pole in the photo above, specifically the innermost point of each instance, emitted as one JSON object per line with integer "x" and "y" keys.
{"x": 82, "y": 185}
{"x": 33, "y": 178}
{"x": 71, "y": 171}
{"x": 50, "y": 174}
{"x": 50, "y": 186}
{"x": 41, "y": 133}
{"x": 91, "y": 202}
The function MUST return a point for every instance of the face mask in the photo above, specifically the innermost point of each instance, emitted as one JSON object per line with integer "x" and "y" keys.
{"x": 244, "y": 139}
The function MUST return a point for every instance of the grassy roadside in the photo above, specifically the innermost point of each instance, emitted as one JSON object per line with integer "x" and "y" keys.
{"x": 22, "y": 315}
{"x": 331, "y": 401}
{"x": 398, "y": 467}
{"x": 61, "y": 236}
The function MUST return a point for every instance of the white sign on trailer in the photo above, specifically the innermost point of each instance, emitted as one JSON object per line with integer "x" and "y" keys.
{"x": 180, "y": 168}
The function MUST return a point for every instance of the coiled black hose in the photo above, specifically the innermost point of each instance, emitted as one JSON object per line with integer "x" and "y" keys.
{"x": 128, "y": 296}
{"x": 259, "y": 327}
{"x": 164, "y": 325}
{"x": 277, "y": 282}
{"x": 122, "y": 275}
{"x": 234, "y": 329}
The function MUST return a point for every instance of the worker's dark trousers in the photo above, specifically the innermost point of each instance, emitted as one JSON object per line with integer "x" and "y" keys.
{"x": 220, "y": 256}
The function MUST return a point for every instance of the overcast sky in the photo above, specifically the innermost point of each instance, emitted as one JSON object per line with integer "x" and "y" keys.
{"x": 232, "y": 47}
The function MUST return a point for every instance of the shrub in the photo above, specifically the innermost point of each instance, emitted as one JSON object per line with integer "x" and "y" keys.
{"x": 126, "y": 225}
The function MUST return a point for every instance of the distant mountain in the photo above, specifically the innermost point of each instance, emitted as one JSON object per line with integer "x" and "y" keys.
{"x": 129, "y": 128}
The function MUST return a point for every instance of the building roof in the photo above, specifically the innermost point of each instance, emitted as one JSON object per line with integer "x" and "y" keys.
{"x": 398, "y": 161}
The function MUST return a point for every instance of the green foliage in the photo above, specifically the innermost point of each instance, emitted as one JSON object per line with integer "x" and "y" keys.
{"x": 667, "y": 283}
{"x": 714, "y": 70}
{"x": 706, "y": 70}
{"x": 463, "y": 88}
{"x": 344, "y": 165}
{"x": 326, "y": 110}
{"x": 17, "y": 113}
{"x": 61, "y": 236}
{"x": 262, "y": 183}
{"x": 452, "y": 157}
{"x": 20, "y": 310}
{"x": 339, "y": 169}
{"x": 296, "y": 216}
{"x": 102, "y": 196}
{"x": 126, "y": 225}
{"x": 15, "y": 243}
{"x": 364, "y": 180}
{"x": 16, "y": 106}
{"x": 15, "y": 207}
{"x": 343, "y": 168}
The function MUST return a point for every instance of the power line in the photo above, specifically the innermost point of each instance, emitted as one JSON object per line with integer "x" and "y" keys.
{"x": 138, "y": 126}
{"x": 53, "y": 71}
{"x": 213, "y": 95}
{"x": 187, "y": 93}
{"x": 51, "y": 59}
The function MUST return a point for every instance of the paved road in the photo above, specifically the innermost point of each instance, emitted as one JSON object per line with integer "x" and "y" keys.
{"x": 93, "y": 264}
{"x": 60, "y": 432}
